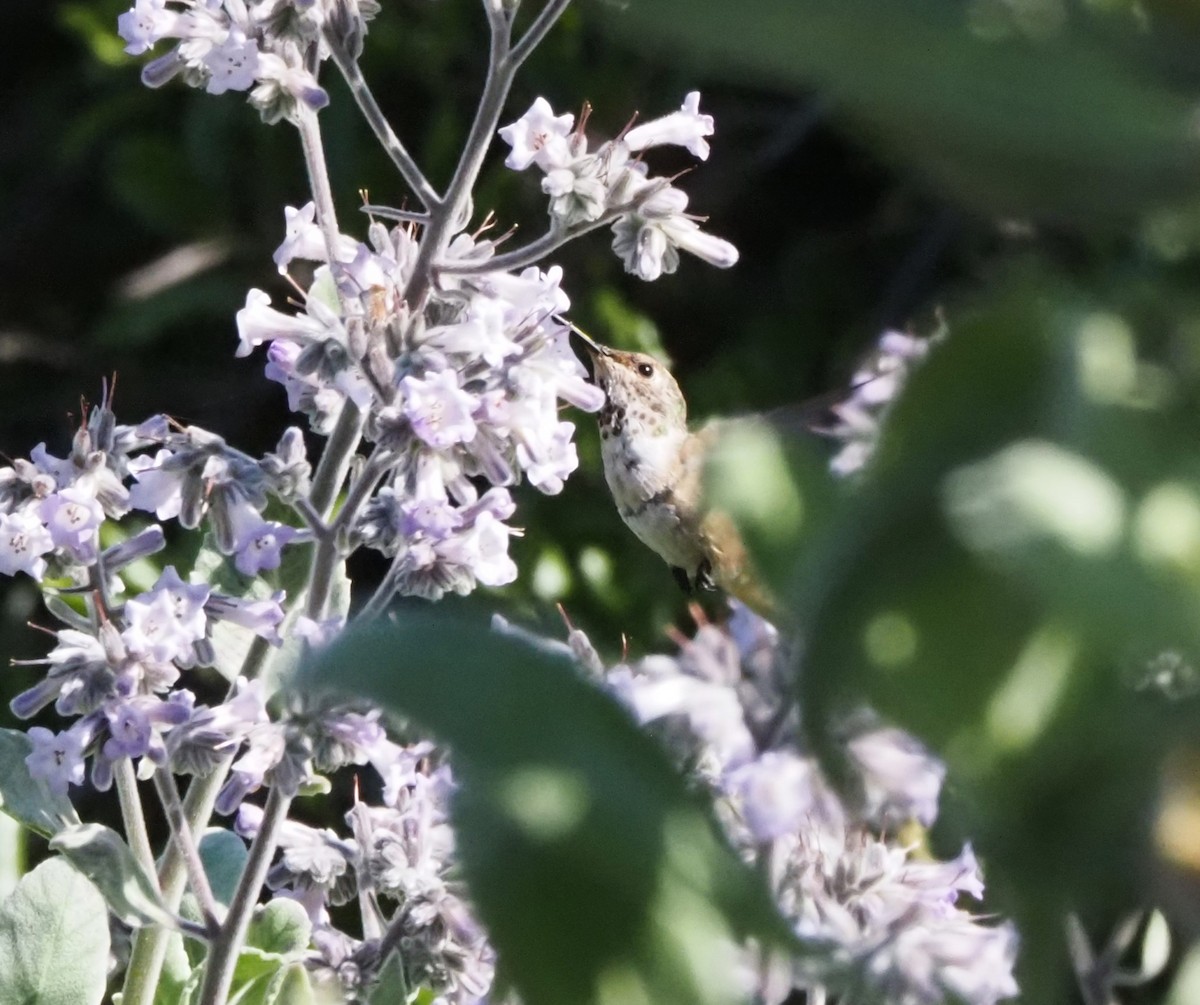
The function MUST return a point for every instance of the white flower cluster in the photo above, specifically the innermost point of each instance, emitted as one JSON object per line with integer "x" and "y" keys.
{"x": 611, "y": 183}
{"x": 466, "y": 390}
{"x": 236, "y": 45}
{"x": 886, "y": 918}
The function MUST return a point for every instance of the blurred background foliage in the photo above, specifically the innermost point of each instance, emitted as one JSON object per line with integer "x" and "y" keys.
{"x": 1029, "y": 544}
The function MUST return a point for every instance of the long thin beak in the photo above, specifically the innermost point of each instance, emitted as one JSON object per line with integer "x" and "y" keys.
{"x": 586, "y": 339}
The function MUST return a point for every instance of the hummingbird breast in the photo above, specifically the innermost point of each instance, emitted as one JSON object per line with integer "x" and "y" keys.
{"x": 653, "y": 494}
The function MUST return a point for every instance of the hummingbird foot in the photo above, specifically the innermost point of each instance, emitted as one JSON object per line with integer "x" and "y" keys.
{"x": 704, "y": 576}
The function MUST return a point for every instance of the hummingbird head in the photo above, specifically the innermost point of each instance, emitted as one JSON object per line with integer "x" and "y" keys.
{"x": 642, "y": 395}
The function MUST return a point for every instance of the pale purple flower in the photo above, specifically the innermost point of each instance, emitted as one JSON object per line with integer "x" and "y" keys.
{"x": 305, "y": 241}
{"x": 303, "y": 238}
{"x": 901, "y": 780}
{"x": 258, "y": 543}
{"x": 548, "y": 460}
{"x": 649, "y": 247}
{"x": 81, "y": 674}
{"x": 780, "y": 793}
{"x": 538, "y": 136}
{"x": 683, "y": 232}
{"x": 923, "y": 964}
{"x": 439, "y": 410}
{"x": 158, "y": 490}
{"x": 144, "y": 24}
{"x": 233, "y": 64}
{"x": 210, "y": 734}
{"x": 684, "y": 128}
{"x": 266, "y": 747}
{"x": 56, "y": 760}
{"x": 489, "y": 560}
{"x": 259, "y": 322}
{"x": 262, "y": 616}
{"x": 876, "y": 383}
{"x": 136, "y": 725}
{"x": 643, "y": 248}
{"x": 24, "y": 539}
{"x": 164, "y": 622}
{"x": 344, "y": 737}
{"x": 712, "y": 711}
{"x": 434, "y": 518}
{"x": 280, "y": 78}
{"x": 73, "y": 516}
{"x": 143, "y": 544}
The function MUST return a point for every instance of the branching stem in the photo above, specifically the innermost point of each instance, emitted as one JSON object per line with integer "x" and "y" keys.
{"x": 379, "y": 124}
{"x": 224, "y": 949}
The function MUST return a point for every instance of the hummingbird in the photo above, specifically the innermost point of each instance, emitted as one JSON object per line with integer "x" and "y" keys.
{"x": 654, "y": 467}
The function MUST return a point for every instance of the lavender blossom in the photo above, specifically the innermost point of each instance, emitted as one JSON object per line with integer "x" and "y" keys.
{"x": 873, "y": 387}
{"x": 56, "y": 759}
{"x": 239, "y": 45}
{"x": 650, "y": 223}
{"x": 889, "y": 918}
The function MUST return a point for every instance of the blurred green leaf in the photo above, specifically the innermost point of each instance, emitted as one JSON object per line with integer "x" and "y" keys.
{"x": 1027, "y": 535}
{"x": 224, "y": 856}
{"x": 1065, "y": 126}
{"x": 54, "y": 939}
{"x": 598, "y": 875}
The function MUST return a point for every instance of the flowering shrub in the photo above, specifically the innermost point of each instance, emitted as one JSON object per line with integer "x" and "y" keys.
{"x": 535, "y": 823}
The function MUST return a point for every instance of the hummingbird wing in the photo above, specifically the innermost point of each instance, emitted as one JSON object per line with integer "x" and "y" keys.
{"x": 730, "y": 565}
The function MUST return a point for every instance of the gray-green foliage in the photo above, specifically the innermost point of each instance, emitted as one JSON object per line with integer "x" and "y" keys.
{"x": 53, "y": 939}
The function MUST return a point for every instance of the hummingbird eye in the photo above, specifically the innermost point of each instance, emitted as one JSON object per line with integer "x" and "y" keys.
{"x": 645, "y": 369}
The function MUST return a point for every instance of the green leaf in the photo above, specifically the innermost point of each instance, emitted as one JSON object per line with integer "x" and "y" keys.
{"x": 597, "y": 873}
{"x": 175, "y": 983}
{"x": 1029, "y": 531}
{"x": 777, "y": 491}
{"x": 1072, "y": 125}
{"x": 390, "y": 986}
{"x": 281, "y": 928}
{"x": 53, "y": 939}
{"x": 22, "y": 797}
{"x": 102, "y": 856}
{"x": 224, "y": 856}
{"x": 253, "y": 975}
{"x": 291, "y": 986}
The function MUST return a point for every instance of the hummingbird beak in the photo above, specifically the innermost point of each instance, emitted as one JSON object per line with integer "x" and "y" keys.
{"x": 592, "y": 345}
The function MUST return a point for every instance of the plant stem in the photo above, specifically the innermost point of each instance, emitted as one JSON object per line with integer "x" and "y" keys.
{"x": 150, "y": 943}
{"x": 318, "y": 180}
{"x": 183, "y": 836}
{"x": 224, "y": 949}
{"x": 534, "y": 34}
{"x": 379, "y": 124}
{"x": 132, "y": 816}
{"x": 376, "y": 467}
{"x": 530, "y": 253}
{"x": 455, "y": 204}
